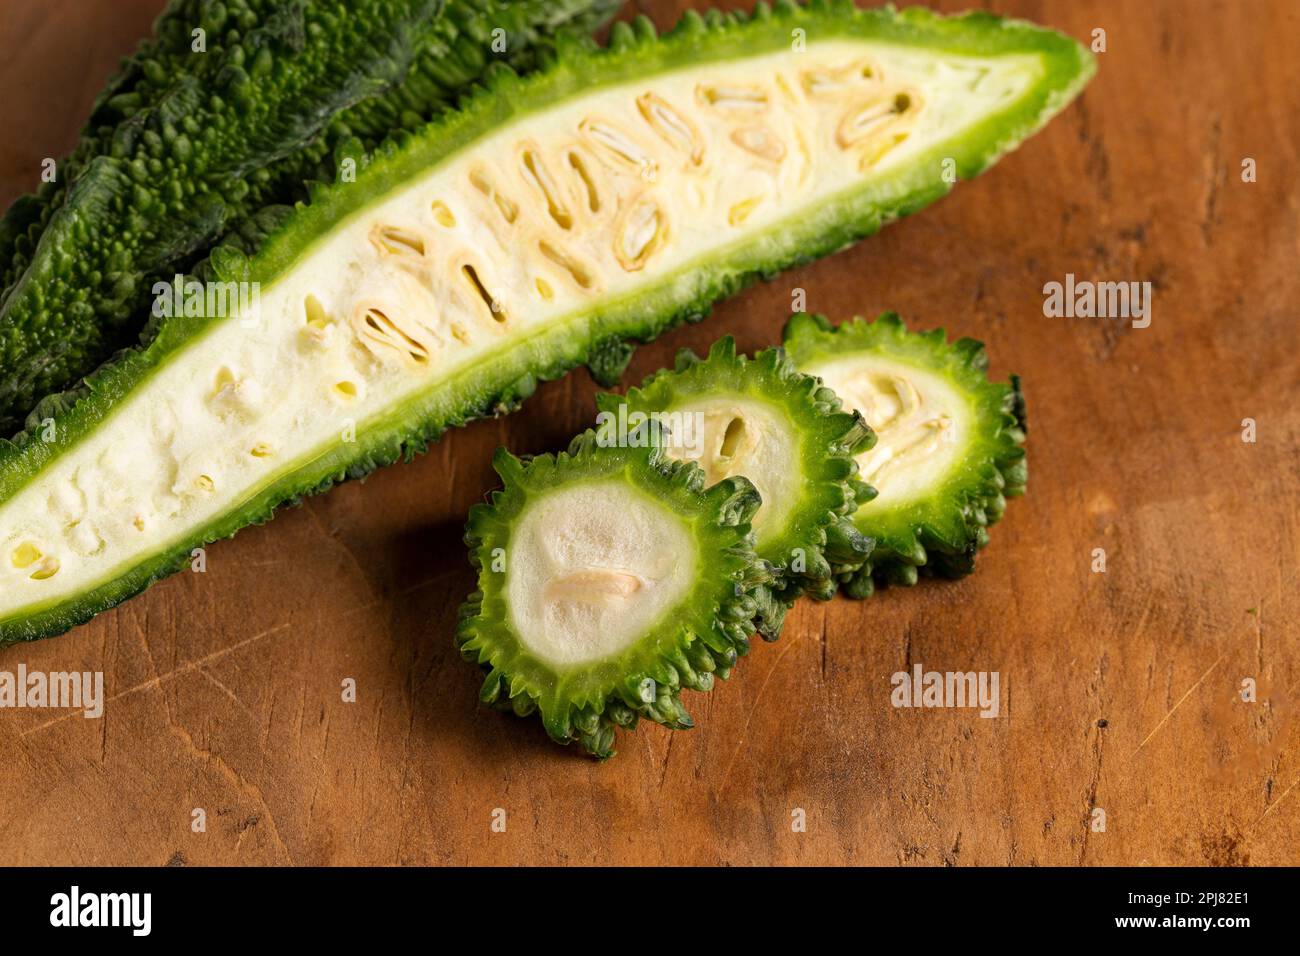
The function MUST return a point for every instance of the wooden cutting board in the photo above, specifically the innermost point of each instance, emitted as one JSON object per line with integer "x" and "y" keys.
{"x": 1120, "y": 690}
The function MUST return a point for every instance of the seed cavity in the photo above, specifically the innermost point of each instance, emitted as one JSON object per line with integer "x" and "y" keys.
{"x": 234, "y": 395}
{"x": 443, "y": 215}
{"x": 396, "y": 241}
{"x": 874, "y": 115}
{"x": 732, "y": 437}
{"x": 223, "y": 380}
{"x": 920, "y": 440}
{"x": 507, "y": 208}
{"x": 315, "y": 312}
{"x": 494, "y": 305}
{"x": 671, "y": 126}
{"x": 318, "y": 329}
{"x": 579, "y": 166}
{"x": 539, "y": 177}
{"x": 760, "y": 140}
{"x": 908, "y": 429}
{"x": 46, "y": 568}
{"x": 260, "y": 450}
{"x": 544, "y": 288}
{"x": 378, "y": 328}
{"x": 741, "y": 211}
{"x": 880, "y": 148}
{"x": 576, "y": 270}
{"x": 598, "y": 586}
{"x": 641, "y": 231}
{"x": 836, "y": 80}
{"x": 733, "y": 97}
{"x": 25, "y": 555}
{"x": 345, "y": 390}
{"x": 616, "y": 146}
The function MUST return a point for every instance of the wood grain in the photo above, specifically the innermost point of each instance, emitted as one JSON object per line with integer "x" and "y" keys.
{"x": 1120, "y": 690}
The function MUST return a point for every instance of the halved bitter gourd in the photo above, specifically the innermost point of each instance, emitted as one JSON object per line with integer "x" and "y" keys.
{"x": 760, "y": 418}
{"x": 949, "y": 448}
{"x": 548, "y": 223}
{"x": 610, "y": 579}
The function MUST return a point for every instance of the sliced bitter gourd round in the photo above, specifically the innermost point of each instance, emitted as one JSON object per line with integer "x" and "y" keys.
{"x": 760, "y": 418}
{"x": 609, "y": 579}
{"x": 950, "y": 442}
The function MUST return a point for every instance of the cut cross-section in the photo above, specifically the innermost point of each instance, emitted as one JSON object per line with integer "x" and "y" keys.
{"x": 949, "y": 450}
{"x": 609, "y": 580}
{"x": 760, "y": 418}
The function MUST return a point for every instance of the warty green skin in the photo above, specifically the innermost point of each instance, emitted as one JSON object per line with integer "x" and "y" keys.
{"x": 460, "y": 55}
{"x": 601, "y": 337}
{"x": 941, "y": 534}
{"x": 141, "y": 82}
{"x": 173, "y": 175}
{"x": 227, "y": 162}
{"x": 691, "y": 643}
{"x": 818, "y": 538}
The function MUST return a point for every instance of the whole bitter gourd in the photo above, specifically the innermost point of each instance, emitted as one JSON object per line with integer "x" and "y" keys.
{"x": 950, "y": 442}
{"x": 761, "y": 419}
{"x": 609, "y": 580}
{"x": 550, "y": 222}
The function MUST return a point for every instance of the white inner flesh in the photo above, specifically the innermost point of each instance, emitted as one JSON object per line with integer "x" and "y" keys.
{"x": 544, "y": 218}
{"x": 922, "y": 424}
{"x": 591, "y": 567}
{"x": 738, "y": 436}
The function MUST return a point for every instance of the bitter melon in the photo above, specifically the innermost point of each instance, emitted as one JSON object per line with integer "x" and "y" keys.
{"x": 760, "y": 418}
{"x": 950, "y": 442}
{"x": 549, "y": 222}
{"x": 609, "y": 580}
{"x": 169, "y": 167}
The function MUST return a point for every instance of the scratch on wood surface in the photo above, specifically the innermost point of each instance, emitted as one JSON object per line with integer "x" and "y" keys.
{"x": 1090, "y": 800}
{"x": 825, "y": 641}
{"x": 411, "y": 589}
{"x": 157, "y": 680}
{"x": 339, "y": 542}
{"x": 1259, "y": 638}
{"x": 227, "y": 691}
{"x": 231, "y": 774}
{"x": 1215, "y": 176}
{"x": 1272, "y": 806}
{"x": 668, "y": 753}
{"x": 1180, "y": 702}
{"x": 744, "y": 733}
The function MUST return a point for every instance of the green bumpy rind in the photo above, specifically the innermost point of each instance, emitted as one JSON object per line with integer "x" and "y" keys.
{"x": 690, "y": 643}
{"x": 141, "y": 82}
{"x": 819, "y": 537}
{"x": 600, "y": 336}
{"x": 942, "y": 532}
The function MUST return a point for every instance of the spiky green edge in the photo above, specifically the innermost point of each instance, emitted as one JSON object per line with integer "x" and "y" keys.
{"x": 598, "y": 337}
{"x": 692, "y": 641}
{"x": 931, "y": 533}
{"x": 820, "y": 525}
